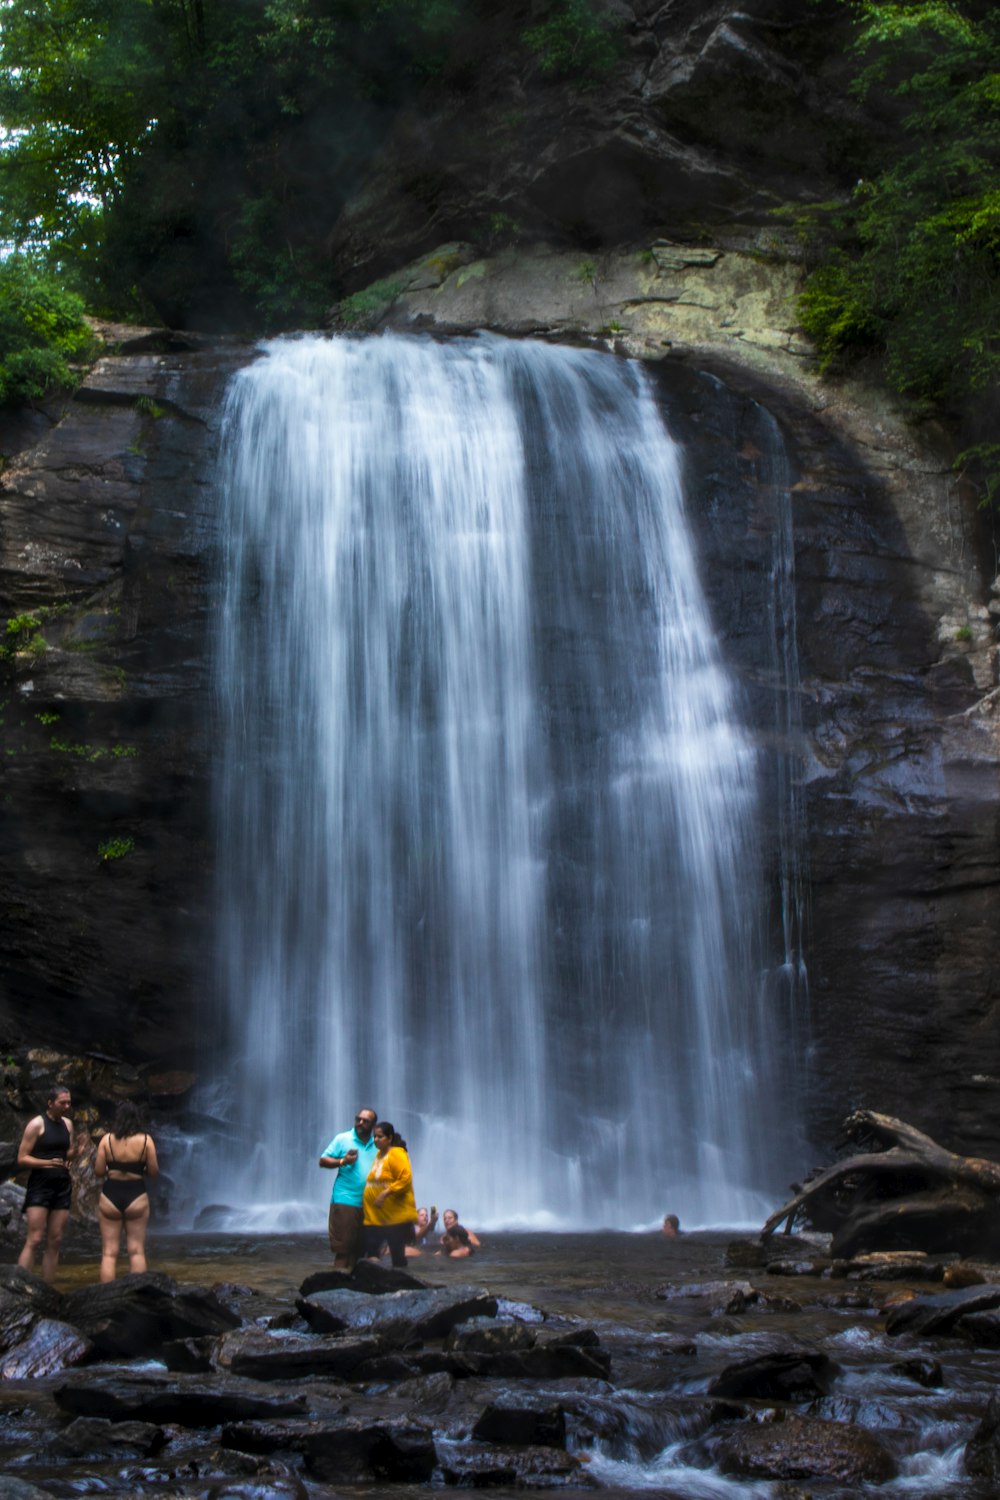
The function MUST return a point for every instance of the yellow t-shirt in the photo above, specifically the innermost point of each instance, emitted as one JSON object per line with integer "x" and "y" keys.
{"x": 390, "y": 1171}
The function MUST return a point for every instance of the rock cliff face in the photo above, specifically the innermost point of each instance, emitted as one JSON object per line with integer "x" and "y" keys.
{"x": 107, "y": 534}
{"x": 108, "y": 552}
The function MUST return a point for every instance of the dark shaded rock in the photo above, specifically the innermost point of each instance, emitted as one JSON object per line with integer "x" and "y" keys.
{"x": 858, "y": 1300}
{"x": 518, "y": 1421}
{"x": 235, "y": 1296}
{"x": 391, "y": 1368}
{"x": 354, "y": 1449}
{"x": 939, "y": 1313}
{"x": 279, "y": 1485}
{"x": 398, "y": 1318}
{"x": 982, "y": 1451}
{"x": 803, "y": 1448}
{"x": 926, "y": 1372}
{"x": 730, "y": 1297}
{"x": 19, "y": 1489}
{"x": 190, "y": 1400}
{"x": 982, "y": 1328}
{"x": 50, "y": 1346}
{"x": 367, "y": 1276}
{"x": 39, "y": 1295}
{"x": 86, "y": 1437}
{"x": 138, "y": 1314}
{"x": 293, "y": 1435}
{"x": 477, "y": 1466}
{"x": 543, "y": 1362}
{"x": 899, "y": 1265}
{"x": 575, "y": 1338}
{"x": 190, "y": 1356}
{"x": 258, "y": 1355}
{"x": 17, "y": 1318}
{"x": 675, "y": 1344}
{"x": 490, "y": 1336}
{"x": 110, "y": 515}
{"x": 789, "y": 1372}
{"x": 427, "y": 1394}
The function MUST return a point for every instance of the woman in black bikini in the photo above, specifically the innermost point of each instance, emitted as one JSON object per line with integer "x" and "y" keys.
{"x": 126, "y": 1156}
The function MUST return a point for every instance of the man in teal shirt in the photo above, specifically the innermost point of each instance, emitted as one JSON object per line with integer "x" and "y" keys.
{"x": 351, "y": 1153}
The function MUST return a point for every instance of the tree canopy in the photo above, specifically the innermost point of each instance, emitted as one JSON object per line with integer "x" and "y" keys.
{"x": 910, "y": 266}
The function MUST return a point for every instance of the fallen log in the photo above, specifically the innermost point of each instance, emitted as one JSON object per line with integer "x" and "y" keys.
{"x": 900, "y": 1190}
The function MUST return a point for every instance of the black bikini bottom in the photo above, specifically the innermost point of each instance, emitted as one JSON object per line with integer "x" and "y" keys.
{"x": 122, "y": 1193}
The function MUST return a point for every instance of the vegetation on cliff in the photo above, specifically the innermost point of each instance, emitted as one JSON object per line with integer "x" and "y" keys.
{"x": 188, "y": 158}
{"x": 42, "y": 330}
{"x": 911, "y": 265}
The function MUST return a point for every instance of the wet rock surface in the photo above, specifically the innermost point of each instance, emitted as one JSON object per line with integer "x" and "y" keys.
{"x": 818, "y": 1400}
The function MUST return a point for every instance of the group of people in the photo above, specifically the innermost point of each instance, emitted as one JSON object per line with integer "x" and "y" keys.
{"x": 124, "y": 1159}
{"x": 372, "y": 1206}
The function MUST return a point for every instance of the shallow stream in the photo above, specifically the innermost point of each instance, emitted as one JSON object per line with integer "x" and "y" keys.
{"x": 659, "y": 1309}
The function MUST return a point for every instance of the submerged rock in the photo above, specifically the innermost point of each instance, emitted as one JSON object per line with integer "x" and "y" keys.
{"x": 490, "y": 1336}
{"x": 190, "y": 1400}
{"x": 982, "y": 1452}
{"x": 85, "y": 1437}
{"x": 518, "y": 1421}
{"x": 939, "y": 1313}
{"x": 474, "y": 1466}
{"x": 803, "y": 1448}
{"x": 259, "y": 1355}
{"x": 789, "y": 1372}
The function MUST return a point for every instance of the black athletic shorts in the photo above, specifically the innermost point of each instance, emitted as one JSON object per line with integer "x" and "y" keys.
{"x": 48, "y": 1190}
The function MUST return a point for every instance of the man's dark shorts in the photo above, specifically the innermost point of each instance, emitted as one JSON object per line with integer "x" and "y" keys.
{"x": 48, "y": 1190}
{"x": 345, "y": 1223}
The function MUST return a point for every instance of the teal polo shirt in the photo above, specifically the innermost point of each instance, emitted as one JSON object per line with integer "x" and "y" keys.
{"x": 350, "y": 1184}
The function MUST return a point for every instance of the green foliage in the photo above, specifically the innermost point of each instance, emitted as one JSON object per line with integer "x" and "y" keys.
{"x": 22, "y": 636}
{"x": 363, "y": 310}
{"x": 579, "y": 39}
{"x": 170, "y": 155}
{"x": 910, "y": 268}
{"x": 117, "y": 848}
{"x": 42, "y": 328}
{"x": 92, "y": 754}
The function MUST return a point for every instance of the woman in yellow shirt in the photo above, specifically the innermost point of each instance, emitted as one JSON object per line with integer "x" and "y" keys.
{"x": 389, "y": 1205}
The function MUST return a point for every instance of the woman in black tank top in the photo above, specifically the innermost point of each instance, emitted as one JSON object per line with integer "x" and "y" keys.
{"x": 126, "y": 1156}
{"x": 45, "y": 1152}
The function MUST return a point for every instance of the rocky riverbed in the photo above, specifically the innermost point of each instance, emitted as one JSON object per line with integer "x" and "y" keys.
{"x": 702, "y": 1367}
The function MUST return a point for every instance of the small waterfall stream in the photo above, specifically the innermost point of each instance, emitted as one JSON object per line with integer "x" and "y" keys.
{"x": 489, "y": 819}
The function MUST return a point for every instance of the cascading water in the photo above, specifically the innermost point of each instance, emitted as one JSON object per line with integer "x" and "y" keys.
{"x": 488, "y": 817}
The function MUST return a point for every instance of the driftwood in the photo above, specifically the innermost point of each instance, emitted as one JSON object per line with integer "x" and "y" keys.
{"x": 899, "y": 1191}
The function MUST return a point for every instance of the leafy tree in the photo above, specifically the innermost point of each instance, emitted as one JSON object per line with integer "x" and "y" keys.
{"x": 915, "y": 278}
{"x": 578, "y": 39}
{"x": 42, "y": 329}
{"x": 187, "y": 156}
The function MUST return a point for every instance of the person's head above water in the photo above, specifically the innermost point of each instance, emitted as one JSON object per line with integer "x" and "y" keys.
{"x": 671, "y": 1226}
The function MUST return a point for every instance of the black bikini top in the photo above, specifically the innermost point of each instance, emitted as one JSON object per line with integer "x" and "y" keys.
{"x": 137, "y": 1168}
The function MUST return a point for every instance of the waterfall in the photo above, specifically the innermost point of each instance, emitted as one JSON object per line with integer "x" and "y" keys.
{"x": 488, "y": 814}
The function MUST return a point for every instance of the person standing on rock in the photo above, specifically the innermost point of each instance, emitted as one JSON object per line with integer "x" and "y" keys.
{"x": 390, "y": 1209}
{"x": 46, "y": 1150}
{"x": 351, "y": 1153}
{"x": 126, "y": 1156}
